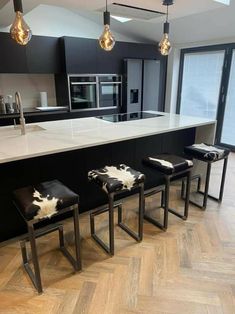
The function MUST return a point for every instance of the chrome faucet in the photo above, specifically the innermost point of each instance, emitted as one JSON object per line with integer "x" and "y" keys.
{"x": 20, "y": 108}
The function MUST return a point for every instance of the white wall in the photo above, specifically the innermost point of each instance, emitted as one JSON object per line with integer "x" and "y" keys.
{"x": 55, "y": 21}
{"x": 173, "y": 69}
{"x": 29, "y": 85}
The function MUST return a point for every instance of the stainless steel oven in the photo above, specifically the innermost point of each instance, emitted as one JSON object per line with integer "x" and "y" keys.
{"x": 89, "y": 92}
{"x": 110, "y": 91}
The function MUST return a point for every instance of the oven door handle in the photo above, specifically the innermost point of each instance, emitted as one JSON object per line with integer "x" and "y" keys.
{"x": 110, "y": 83}
{"x": 83, "y": 83}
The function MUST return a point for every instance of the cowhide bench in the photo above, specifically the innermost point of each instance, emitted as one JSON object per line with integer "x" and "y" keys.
{"x": 209, "y": 154}
{"x": 115, "y": 180}
{"x": 172, "y": 167}
{"x": 37, "y": 204}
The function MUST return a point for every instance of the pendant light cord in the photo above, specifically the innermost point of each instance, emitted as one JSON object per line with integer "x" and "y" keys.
{"x": 106, "y": 5}
{"x": 167, "y": 12}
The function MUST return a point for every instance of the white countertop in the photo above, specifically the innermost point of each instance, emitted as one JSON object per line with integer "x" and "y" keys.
{"x": 66, "y": 135}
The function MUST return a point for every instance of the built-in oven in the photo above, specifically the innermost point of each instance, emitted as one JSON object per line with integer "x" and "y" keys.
{"x": 83, "y": 93}
{"x": 89, "y": 92}
{"x": 110, "y": 91}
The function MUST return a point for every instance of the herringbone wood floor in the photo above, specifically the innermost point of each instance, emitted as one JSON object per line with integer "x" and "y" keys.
{"x": 188, "y": 269}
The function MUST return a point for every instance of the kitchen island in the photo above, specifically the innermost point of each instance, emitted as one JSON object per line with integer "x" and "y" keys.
{"x": 68, "y": 149}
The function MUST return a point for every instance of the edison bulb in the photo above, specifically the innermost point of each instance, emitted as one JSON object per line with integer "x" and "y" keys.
{"x": 20, "y": 31}
{"x": 107, "y": 40}
{"x": 165, "y": 45}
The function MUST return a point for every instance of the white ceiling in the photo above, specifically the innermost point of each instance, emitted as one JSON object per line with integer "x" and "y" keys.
{"x": 191, "y": 20}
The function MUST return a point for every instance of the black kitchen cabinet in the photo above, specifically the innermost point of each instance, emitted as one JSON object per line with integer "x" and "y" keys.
{"x": 80, "y": 55}
{"x": 84, "y": 56}
{"x": 40, "y": 55}
{"x": 43, "y": 55}
{"x": 12, "y": 55}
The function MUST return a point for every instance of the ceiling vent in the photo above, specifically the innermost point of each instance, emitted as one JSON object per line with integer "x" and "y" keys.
{"x": 132, "y": 12}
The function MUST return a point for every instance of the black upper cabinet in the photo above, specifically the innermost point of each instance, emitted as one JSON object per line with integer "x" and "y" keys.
{"x": 109, "y": 62}
{"x": 84, "y": 56}
{"x": 40, "y": 55}
{"x": 12, "y": 55}
{"x": 43, "y": 55}
{"x": 80, "y": 55}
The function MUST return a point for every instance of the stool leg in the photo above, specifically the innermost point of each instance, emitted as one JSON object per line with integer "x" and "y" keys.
{"x": 77, "y": 239}
{"x": 186, "y": 206}
{"x": 141, "y": 211}
{"x": 223, "y": 179}
{"x": 166, "y": 208}
{"x": 75, "y": 262}
{"x": 208, "y": 173}
{"x": 111, "y": 223}
{"x": 37, "y": 282}
{"x": 137, "y": 236}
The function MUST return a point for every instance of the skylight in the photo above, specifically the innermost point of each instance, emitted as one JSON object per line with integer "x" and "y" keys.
{"x": 227, "y": 2}
{"x": 121, "y": 19}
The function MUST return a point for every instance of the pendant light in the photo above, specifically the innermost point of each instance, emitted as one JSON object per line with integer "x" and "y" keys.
{"x": 107, "y": 40}
{"x": 19, "y": 30}
{"x": 165, "y": 45}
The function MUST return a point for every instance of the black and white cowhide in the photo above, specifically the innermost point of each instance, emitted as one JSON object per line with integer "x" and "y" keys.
{"x": 47, "y": 205}
{"x": 168, "y": 164}
{"x": 116, "y": 178}
{"x": 210, "y": 152}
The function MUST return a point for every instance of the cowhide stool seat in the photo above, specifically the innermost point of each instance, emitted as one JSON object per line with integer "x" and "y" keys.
{"x": 37, "y": 204}
{"x": 172, "y": 167}
{"x": 208, "y": 154}
{"x": 115, "y": 180}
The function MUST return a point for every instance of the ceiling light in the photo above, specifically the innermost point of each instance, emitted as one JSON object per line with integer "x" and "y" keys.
{"x": 19, "y": 30}
{"x": 107, "y": 40}
{"x": 121, "y": 19}
{"x": 165, "y": 45}
{"x": 227, "y": 2}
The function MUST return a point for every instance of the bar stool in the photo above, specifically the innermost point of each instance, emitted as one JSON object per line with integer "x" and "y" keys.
{"x": 115, "y": 180}
{"x": 37, "y": 204}
{"x": 172, "y": 167}
{"x": 208, "y": 154}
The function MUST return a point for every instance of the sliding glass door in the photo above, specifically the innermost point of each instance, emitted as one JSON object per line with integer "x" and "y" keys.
{"x": 207, "y": 88}
{"x": 228, "y": 127}
{"x": 202, "y": 74}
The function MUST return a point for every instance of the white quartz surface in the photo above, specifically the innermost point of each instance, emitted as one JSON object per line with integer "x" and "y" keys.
{"x": 64, "y": 135}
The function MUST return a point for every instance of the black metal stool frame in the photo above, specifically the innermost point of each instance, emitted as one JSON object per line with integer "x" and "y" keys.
{"x": 165, "y": 199}
{"x": 205, "y": 193}
{"x": 33, "y": 234}
{"x": 111, "y": 206}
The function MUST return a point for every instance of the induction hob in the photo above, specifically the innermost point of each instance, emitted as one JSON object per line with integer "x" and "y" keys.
{"x": 120, "y": 117}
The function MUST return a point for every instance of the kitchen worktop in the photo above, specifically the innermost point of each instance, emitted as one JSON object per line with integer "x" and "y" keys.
{"x": 64, "y": 135}
{"x": 28, "y": 111}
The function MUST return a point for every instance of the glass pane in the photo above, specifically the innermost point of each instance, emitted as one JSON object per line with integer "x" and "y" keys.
{"x": 110, "y": 95}
{"x": 201, "y": 83}
{"x": 228, "y": 132}
{"x": 83, "y": 96}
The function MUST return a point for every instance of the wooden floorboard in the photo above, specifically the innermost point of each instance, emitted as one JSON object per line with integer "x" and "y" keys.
{"x": 188, "y": 269}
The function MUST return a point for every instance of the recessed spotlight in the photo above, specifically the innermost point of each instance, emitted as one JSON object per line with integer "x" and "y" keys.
{"x": 227, "y": 2}
{"x": 121, "y": 19}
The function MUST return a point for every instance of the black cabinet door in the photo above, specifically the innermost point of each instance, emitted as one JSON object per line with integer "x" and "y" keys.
{"x": 80, "y": 55}
{"x": 12, "y": 55}
{"x": 43, "y": 55}
{"x": 109, "y": 62}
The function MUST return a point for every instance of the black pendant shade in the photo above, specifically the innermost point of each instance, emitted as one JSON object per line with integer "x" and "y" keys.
{"x": 168, "y": 2}
{"x": 166, "y": 28}
{"x": 18, "y": 6}
{"x": 106, "y": 18}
